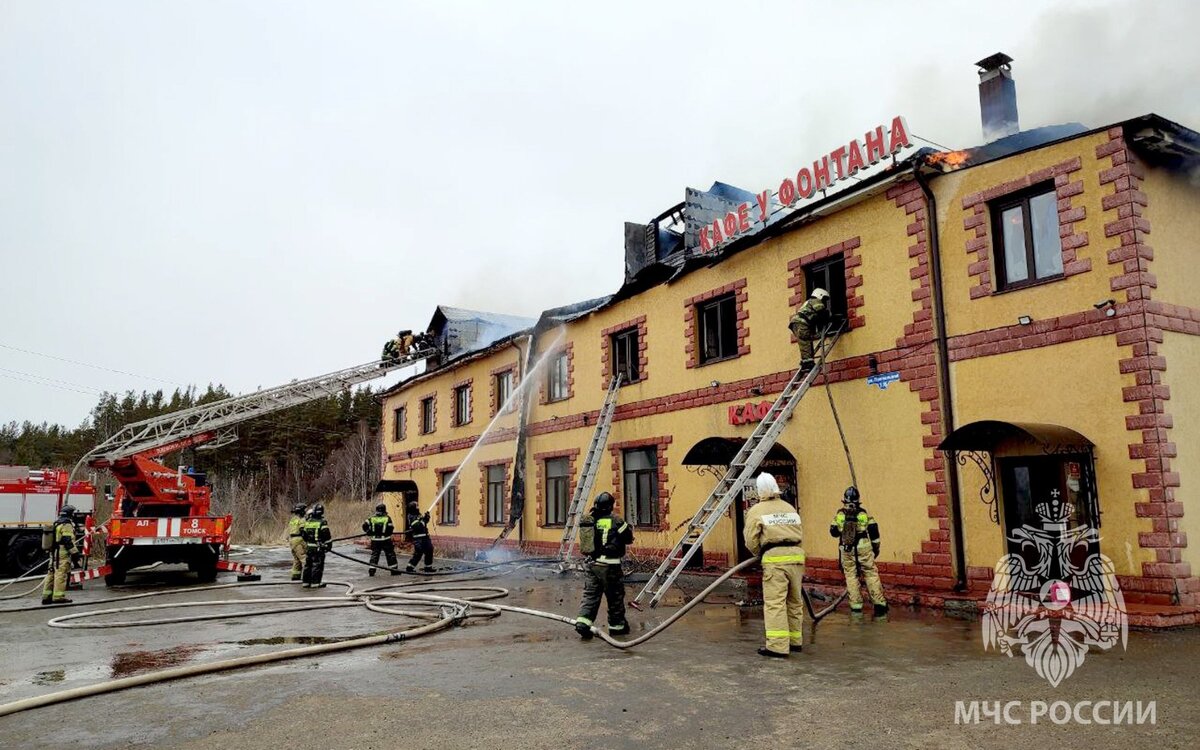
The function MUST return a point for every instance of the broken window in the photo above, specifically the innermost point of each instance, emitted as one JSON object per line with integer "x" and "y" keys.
{"x": 495, "y": 494}
{"x": 557, "y": 379}
{"x": 1027, "y": 246}
{"x": 427, "y": 425}
{"x": 448, "y": 510}
{"x": 462, "y": 405}
{"x": 717, "y": 328}
{"x": 641, "y": 486}
{"x": 558, "y": 480}
{"x": 399, "y": 424}
{"x": 829, "y": 274}
{"x": 503, "y": 388}
{"x": 625, "y": 355}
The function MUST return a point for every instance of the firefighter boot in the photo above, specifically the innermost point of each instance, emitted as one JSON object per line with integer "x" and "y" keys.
{"x": 46, "y": 600}
{"x": 428, "y": 568}
{"x": 881, "y": 610}
{"x": 409, "y": 569}
{"x": 764, "y": 651}
{"x": 584, "y": 630}
{"x": 371, "y": 572}
{"x": 395, "y": 571}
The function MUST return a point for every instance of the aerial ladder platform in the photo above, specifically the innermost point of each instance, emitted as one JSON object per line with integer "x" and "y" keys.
{"x": 740, "y": 472}
{"x": 587, "y": 477}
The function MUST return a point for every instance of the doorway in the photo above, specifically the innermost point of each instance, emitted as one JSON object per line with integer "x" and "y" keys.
{"x": 1033, "y": 483}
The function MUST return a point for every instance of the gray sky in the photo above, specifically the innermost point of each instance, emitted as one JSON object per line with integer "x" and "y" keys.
{"x": 248, "y": 193}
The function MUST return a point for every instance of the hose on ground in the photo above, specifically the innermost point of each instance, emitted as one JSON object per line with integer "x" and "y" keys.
{"x": 456, "y": 571}
{"x": 24, "y": 576}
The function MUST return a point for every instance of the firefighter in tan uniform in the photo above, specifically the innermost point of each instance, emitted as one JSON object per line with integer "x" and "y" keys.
{"x": 773, "y": 532}
{"x": 54, "y": 590}
{"x": 296, "y": 540}
{"x": 808, "y": 324}
{"x": 858, "y": 536}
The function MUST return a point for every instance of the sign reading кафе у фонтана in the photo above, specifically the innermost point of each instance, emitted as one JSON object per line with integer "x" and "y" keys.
{"x": 840, "y": 164}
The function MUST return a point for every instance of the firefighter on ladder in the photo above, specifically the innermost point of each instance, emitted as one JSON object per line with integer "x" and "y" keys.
{"x": 380, "y": 528}
{"x": 858, "y": 536}
{"x": 774, "y": 533}
{"x": 295, "y": 523}
{"x": 62, "y": 536}
{"x": 398, "y": 347}
{"x": 317, "y": 541}
{"x": 603, "y": 537}
{"x": 418, "y": 531}
{"x": 807, "y": 324}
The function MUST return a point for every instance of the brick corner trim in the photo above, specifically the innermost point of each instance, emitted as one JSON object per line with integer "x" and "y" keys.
{"x": 849, "y": 250}
{"x": 690, "y": 335}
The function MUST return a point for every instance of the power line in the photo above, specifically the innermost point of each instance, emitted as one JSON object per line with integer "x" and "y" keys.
{"x": 50, "y": 379}
{"x": 87, "y": 364}
{"x": 935, "y": 143}
{"x": 49, "y": 385}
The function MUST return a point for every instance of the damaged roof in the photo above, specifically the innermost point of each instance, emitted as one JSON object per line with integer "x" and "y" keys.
{"x": 508, "y": 323}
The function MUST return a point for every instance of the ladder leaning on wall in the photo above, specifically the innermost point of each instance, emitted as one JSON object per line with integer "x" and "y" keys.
{"x": 587, "y": 477}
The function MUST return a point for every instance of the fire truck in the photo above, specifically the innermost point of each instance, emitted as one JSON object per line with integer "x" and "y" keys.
{"x": 29, "y": 503}
{"x": 161, "y": 514}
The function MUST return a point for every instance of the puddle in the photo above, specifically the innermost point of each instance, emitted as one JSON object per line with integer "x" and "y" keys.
{"x": 133, "y": 662}
{"x": 302, "y": 640}
{"x": 49, "y": 677}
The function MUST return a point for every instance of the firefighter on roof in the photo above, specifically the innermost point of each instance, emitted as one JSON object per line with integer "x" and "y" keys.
{"x": 62, "y": 539}
{"x": 317, "y": 541}
{"x": 809, "y": 321}
{"x": 603, "y": 538}
{"x": 418, "y": 531}
{"x": 774, "y": 533}
{"x": 380, "y": 529}
{"x": 858, "y": 536}
{"x": 295, "y": 541}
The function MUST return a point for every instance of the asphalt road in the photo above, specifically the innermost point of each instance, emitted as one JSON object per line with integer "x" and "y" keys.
{"x": 527, "y": 682}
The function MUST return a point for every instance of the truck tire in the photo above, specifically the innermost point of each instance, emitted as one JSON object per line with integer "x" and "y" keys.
{"x": 116, "y": 575}
{"x": 204, "y": 565}
{"x": 24, "y": 553}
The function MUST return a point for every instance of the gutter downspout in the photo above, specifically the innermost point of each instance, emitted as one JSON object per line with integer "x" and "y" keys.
{"x": 518, "y": 485}
{"x": 943, "y": 369}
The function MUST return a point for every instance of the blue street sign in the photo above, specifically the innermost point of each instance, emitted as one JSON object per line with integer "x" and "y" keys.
{"x": 882, "y": 379}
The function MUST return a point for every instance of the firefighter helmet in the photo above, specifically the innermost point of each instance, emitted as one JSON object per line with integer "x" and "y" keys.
{"x": 767, "y": 486}
{"x": 851, "y": 495}
{"x": 299, "y": 509}
{"x": 381, "y": 508}
{"x": 604, "y": 502}
{"x": 318, "y": 511}
{"x": 67, "y": 510}
{"x": 820, "y": 293}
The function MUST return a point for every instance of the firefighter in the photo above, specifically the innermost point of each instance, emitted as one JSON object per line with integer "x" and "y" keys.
{"x": 294, "y": 539}
{"x": 380, "y": 528}
{"x": 807, "y": 324}
{"x": 773, "y": 532}
{"x": 603, "y": 537}
{"x": 858, "y": 536}
{"x": 317, "y": 541}
{"x": 62, "y": 534}
{"x": 418, "y": 531}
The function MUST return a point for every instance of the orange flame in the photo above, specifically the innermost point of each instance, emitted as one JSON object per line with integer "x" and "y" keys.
{"x": 950, "y": 159}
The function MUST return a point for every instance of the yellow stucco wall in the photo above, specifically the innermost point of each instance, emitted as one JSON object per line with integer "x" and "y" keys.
{"x": 1174, "y": 235}
{"x": 1183, "y": 357}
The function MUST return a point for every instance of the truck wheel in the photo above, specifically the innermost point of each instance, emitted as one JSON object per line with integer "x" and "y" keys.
{"x": 204, "y": 565}
{"x": 24, "y": 553}
{"x": 117, "y": 575}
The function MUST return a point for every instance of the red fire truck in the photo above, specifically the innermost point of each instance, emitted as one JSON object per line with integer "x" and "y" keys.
{"x": 29, "y": 502}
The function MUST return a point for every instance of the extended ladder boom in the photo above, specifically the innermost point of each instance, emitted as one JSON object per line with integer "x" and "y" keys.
{"x": 591, "y": 466}
{"x": 213, "y": 422}
{"x": 741, "y": 470}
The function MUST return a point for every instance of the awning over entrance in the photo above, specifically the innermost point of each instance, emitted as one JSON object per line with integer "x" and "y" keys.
{"x": 396, "y": 485}
{"x": 985, "y": 435}
{"x": 719, "y": 451}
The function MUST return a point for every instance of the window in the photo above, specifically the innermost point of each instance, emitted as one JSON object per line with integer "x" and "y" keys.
{"x": 830, "y": 275}
{"x": 399, "y": 424}
{"x": 462, "y": 405}
{"x": 641, "y": 486}
{"x": 557, "y": 380}
{"x": 625, "y": 355}
{"x": 558, "y": 487}
{"x": 1027, "y": 246}
{"x": 503, "y": 388}
{"x": 427, "y": 414}
{"x": 718, "y": 328}
{"x": 448, "y": 510}
{"x": 495, "y": 494}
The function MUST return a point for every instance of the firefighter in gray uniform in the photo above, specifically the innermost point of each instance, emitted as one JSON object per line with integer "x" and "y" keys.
{"x": 603, "y": 538}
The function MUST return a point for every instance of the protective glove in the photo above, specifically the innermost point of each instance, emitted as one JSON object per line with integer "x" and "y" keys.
{"x": 833, "y": 530}
{"x": 425, "y": 517}
{"x": 875, "y": 548}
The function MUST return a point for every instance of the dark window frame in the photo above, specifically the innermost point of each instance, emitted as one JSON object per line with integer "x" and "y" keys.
{"x": 428, "y": 416}
{"x": 830, "y": 274}
{"x": 491, "y": 502}
{"x": 627, "y": 342}
{"x": 558, "y": 386}
{"x": 642, "y": 478}
{"x": 502, "y": 384}
{"x": 557, "y": 490}
{"x": 462, "y": 396}
{"x": 1021, "y": 199}
{"x": 399, "y": 423}
{"x": 448, "y": 511}
{"x": 718, "y": 307}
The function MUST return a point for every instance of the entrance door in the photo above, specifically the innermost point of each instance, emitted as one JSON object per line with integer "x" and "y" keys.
{"x": 1032, "y": 480}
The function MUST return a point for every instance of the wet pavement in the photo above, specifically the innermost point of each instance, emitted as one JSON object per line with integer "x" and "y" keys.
{"x": 522, "y": 681}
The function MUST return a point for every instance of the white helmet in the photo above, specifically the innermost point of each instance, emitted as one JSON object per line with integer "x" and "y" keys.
{"x": 820, "y": 293}
{"x": 767, "y": 486}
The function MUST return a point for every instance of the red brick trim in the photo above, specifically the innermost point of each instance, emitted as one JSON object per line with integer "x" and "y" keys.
{"x": 854, "y": 298}
{"x": 420, "y": 416}
{"x": 975, "y": 206}
{"x": 692, "y": 346}
{"x": 454, "y": 402}
{"x": 483, "y": 497}
{"x": 510, "y": 367}
{"x": 441, "y": 474}
{"x": 1130, "y": 263}
{"x": 403, "y": 424}
{"x": 664, "y": 497}
{"x": 446, "y": 446}
{"x": 543, "y": 388}
{"x": 539, "y": 460}
{"x": 606, "y": 346}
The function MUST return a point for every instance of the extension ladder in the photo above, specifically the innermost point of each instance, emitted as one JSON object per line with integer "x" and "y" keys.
{"x": 741, "y": 470}
{"x": 591, "y": 467}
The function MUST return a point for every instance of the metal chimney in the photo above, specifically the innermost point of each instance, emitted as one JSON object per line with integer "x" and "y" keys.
{"x": 997, "y": 97}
